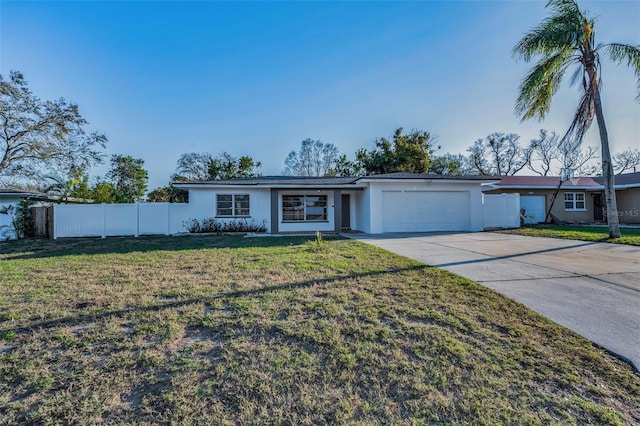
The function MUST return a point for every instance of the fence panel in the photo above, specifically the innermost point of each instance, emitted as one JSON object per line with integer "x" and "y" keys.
{"x": 154, "y": 218}
{"x": 101, "y": 220}
{"x": 120, "y": 219}
{"x": 501, "y": 210}
{"x": 76, "y": 220}
{"x": 179, "y": 214}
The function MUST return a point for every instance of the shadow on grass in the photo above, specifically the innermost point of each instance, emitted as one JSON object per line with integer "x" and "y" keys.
{"x": 79, "y": 319}
{"x": 35, "y": 249}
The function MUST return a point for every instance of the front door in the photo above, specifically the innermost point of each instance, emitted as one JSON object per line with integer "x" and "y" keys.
{"x": 346, "y": 212}
{"x": 598, "y": 214}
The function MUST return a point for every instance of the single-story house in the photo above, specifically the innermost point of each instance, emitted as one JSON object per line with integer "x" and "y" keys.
{"x": 627, "y": 196}
{"x": 577, "y": 200}
{"x": 9, "y": 197}
{"x": 395, "y": 202}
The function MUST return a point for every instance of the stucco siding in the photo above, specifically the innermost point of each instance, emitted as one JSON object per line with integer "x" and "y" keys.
{"x": 202, "y": 203}
{"x": 629, "y": 205}
{"x": 558, "y": 209}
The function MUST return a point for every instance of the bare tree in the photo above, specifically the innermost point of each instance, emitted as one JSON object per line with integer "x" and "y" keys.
{"x": 549, "y": 154}
{"x": 314, "y": 158}
{"x": 544, "y": 152}
{"x": 573, "y": 156}
{"x": 500, "y": 154}
{"x": 629, "y": 159}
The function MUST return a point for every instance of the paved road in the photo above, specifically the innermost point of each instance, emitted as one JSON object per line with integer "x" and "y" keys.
{"x": 591, "y": 288}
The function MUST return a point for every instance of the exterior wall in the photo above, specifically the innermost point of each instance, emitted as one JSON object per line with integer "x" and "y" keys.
{"x": 202, "y": 203}
{"x": 375, "y": 189}
{"x": 362, "y": 211}
{"x": 6, "y": 227}
{"x": 558, "y": 206}
{"x": 629, "y": 205}
{"x": 328, "y": 225}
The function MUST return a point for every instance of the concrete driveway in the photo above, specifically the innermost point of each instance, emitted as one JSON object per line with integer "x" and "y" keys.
{"x": 591, "y": 288}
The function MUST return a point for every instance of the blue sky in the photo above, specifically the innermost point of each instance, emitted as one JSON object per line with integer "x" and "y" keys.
{"x": 255, "y": 78}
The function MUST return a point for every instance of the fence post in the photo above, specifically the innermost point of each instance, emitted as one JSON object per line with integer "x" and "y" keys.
{"x": 168, "y": 218}
{"x": 104, "y": 220}
{"x": 55, "y": 228}
{"x": 137, "y": 234}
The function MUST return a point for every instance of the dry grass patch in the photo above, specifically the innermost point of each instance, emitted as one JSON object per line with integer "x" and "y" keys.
{"x": 226, "y": 330}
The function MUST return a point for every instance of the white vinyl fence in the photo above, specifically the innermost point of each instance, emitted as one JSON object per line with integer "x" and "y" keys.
{"x": 501, "y": 210}
{"x": 105, "y": 220}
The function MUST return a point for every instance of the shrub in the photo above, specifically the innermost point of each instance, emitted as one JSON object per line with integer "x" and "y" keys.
{"x": 211, "y": 225}
{"x": 22, "y": 222}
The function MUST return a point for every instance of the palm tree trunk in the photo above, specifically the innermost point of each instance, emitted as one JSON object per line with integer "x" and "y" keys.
{"x": 607, "y": 166}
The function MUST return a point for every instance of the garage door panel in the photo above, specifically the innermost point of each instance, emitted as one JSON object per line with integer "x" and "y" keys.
{"x": 415, "y": 211}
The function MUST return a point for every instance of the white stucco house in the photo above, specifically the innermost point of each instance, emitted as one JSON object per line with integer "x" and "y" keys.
{"x": 396, "y": 202}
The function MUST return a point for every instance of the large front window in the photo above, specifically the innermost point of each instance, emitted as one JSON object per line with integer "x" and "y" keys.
{"x": 232, "y": 205}
{"x": 574, "y": 201}
{"x": 304, "y": 208}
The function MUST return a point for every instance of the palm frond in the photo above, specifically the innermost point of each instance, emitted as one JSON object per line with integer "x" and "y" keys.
{"x": 555, "y": 33}
{"x": 583, "y": 117}
{"x": 579, "y": 72}
{"x": 541, "y": 83}
{"x": 625, "y": 53}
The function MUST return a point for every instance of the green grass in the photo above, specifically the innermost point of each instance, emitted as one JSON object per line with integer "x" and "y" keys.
{"x": 630, "y": 236}
{"x": 227, "y": 330}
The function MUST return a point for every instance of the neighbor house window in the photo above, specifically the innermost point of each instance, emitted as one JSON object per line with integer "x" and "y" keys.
{"x": 304, "y": 208}
{"x": 232, "y": 205}
{"x": 574, "y": 201}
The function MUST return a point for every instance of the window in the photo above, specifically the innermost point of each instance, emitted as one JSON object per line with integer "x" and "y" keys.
{"x": 574, "y": 201}
{"x": 304, "y": 208}
{"x": 232, "y": 205}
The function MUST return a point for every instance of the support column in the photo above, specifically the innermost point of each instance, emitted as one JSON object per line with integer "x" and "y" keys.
{"x": 274, "y": 211}
{"x": 337, "y": 210}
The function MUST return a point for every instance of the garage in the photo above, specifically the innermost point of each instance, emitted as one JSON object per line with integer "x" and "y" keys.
{"x": 423, "y": 211}
{"x": 534, "y": 208}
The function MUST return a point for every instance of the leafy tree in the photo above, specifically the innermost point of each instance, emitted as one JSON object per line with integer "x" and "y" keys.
{"x": 37, "y": 135}
{"x": 314, "y": 158}
{"x": 629, "y": 159}
{"x": 567, "y": 38}
{"x": 104, "y": 192}
{"x": 128, "y": 178}
{"x": 409, "y": 153}
{"x": 194, "y": 166}
{"x": 345, "y": 167}
{"x": 225, "y": 166}
{"x": 448, "y": 164}
{"x": 74, "y": 186}
{"x": 168, "y": 194}
{"x": 500, "y": 154}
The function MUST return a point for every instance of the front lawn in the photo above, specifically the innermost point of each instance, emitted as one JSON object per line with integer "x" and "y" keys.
{"x": 228, "y": 330}
{"x": 629, "y": 236}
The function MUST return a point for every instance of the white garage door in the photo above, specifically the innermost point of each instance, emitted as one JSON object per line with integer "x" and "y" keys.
{"x": 419, "y": 211}
{"x": 534, "y": 208}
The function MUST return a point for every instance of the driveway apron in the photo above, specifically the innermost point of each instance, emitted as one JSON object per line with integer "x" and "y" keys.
{"x": 590, "y": 288}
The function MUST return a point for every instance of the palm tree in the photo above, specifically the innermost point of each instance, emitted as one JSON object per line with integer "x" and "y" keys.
{"x": 564, "y": 39}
